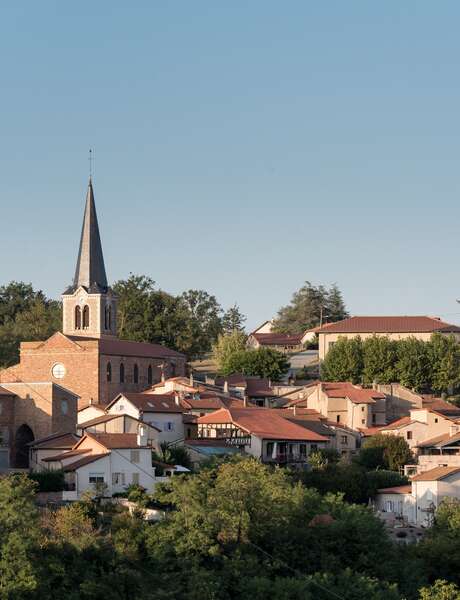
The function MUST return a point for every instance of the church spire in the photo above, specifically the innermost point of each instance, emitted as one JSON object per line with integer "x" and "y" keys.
{"x": 90, "y": 271}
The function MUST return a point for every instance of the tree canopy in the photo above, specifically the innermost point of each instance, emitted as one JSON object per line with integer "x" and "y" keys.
{"x": 309, "y": 307}
{"x": 432, "y": 365}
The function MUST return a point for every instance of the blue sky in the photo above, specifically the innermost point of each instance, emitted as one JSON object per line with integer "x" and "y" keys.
{"x": 240, "y": 147}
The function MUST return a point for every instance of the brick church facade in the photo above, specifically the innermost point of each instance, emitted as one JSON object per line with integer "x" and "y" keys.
{"x": 86, "y": 359}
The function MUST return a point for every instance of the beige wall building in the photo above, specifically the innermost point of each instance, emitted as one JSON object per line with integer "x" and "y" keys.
{"x": 346, "y": 404}
{"x": 395, "y": 328}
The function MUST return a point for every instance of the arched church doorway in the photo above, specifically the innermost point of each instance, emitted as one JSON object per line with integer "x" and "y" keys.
{"x": 24, "y": 435}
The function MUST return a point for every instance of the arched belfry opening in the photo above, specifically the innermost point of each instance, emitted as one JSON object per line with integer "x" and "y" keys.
{"x": 24, "y": 435}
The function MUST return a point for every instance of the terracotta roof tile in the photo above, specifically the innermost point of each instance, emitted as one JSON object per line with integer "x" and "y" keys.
{"x": 399, "y": 489}
{"x": 436, "y": 474}
{"x": 402, "y": 422}
{"x": 117, "y": 347}
{"x": 86, "y": 460}
{"x": 278, "y": 339}
{"x": 57, "y": 440}
{"x": 116, "y": 440}
{"x": 265, "y": 423}
{"x": 164, "y": 403}
{"x": 356, "y": 394}
{"x": 402, "y": 324}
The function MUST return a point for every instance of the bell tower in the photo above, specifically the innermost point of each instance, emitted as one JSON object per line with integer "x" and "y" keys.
{"x": 89, "y": 305}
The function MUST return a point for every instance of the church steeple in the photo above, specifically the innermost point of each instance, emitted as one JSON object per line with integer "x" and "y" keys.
{"x": 89, "y": 305}
{"x": 90, "y": 270}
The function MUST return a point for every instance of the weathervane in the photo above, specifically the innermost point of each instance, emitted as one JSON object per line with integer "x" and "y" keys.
{"x": 90, "y": 163}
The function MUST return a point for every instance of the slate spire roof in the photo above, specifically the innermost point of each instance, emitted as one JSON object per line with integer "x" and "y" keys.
{"x": 90, "y": 270}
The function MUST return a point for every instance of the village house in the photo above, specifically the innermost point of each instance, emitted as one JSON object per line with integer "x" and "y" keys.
{"x": 263, "y": 433}
{"x": 395, "y": 328}
{"x": 255, "y": 390}
{"x": 56, "y": 443}
{"x": 347, "y": 405}
{"x": 87, "y": 357}
{"x": 109, "y": 461}
{"x": 121, "y": 423}
{"x": 417, "y": 503}
{"x": 440, "y": 451}
{"x": 162, "y": 411}
{"x": 346, "y": 441}
{"x": 265, "y": 337}
{"x": 420, "y": 425}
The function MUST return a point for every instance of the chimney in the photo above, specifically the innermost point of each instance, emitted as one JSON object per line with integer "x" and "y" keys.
{"x": 177, "y": 399}
{"x": 91, "y": 401}
{"x": 295, "y": 410}
{"x": 191, "y": 378}
{"x": 225, "y": 387}
{"x": 245, "y": 400}
{"x": 269, "y": 382}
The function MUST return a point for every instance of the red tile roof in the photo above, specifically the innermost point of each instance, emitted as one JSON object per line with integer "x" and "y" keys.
{"x": 63, "y": 455}
{"x": 265, "y": 423}
{"x": 57, "y": 440}
{"x": 402, "y": 422}
{"x": 436, "y": 474}
{"x": 278, "y": 339}
{"x": 444, "y": 439}
{"x": 117, "y": 347}
{"x": 86, "y": 460}
{"x": 399, "y": 489}
{"x": 116, "y": 440}
{"x": 403, "y": 324}
{"x": 254, "y": 386}
{"x": 164, "y": 403}
{"x": 356, "y": 394}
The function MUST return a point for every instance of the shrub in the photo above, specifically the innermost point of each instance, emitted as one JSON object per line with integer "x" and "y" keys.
{"x": 49, "y": 481}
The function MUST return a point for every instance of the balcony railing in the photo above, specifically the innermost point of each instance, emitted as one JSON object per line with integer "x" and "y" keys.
{"x": 286, "y": 458}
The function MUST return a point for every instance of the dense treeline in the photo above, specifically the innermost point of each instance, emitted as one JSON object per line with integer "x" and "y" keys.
{"x": 239, "y": 531}
{"x": 189, "y": 323}
{"x": 432, "y": 365}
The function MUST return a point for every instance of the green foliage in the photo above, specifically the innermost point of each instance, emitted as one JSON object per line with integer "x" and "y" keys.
{"x": 233, "y": 320}
{"x": 173, "y": 455}
{"x": 27, "y": 315}
{"x": 48, "y": 481}
{"x": 396, "y": 452}
{"x": 344, "y": 361}
{"x": 261, "y": 362}
{"x": 440, "y": 590}
{"x": 308, "y": 305}
{"x": 226, "y": 346}
{"x": 18, "y": 536}
{"x": 412, "y": 362}
{"x": 379, "y": 359}
{"x": 320, "y": 459}
{"x": 189, "y": 323}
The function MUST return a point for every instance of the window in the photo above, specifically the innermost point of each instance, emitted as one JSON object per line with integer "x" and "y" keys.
{"x": 118, "y": 479}
{"x": 64, "y": 407}
{"x": 338, "y": 418}
{"x": 189, "y": 432}
{"x": 135, "y": 479}
{"x": 77, "y": 317}
{"x": 109, "y": 372}
{"x": 409, "y": 435}
{"x": 374, "y": 418}
{"x": 344, "y": 439}
{"x": 362, "y": 408}
{"x": 135, "y": 456}
{"x": 313, "y": 447}
{"x": 363, "y": 421}
{"x": 122, "y": 373}
{"x": 436, "y": 420}
{"x": 303, "y": 449}
{"x": 58, "y": 371}
{"x": 96, "y": 478}
{"x": 86, "y": 317}
{"x": 150, "y": 375}
{"x": 136, "y": 374}
{"x": 270, "y": 446}
{"x": 1, "y": 408}
{"x": 121, "y": 407}
{"x": 169, "y": 426}
{"x": 108, "y": 317}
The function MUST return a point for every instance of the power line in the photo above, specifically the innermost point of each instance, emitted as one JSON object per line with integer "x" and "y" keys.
{"x": 296, "y": 571}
